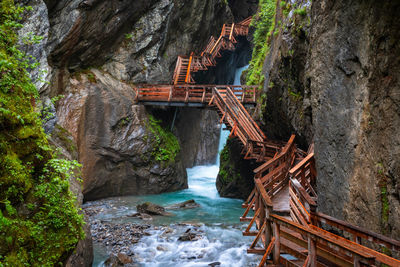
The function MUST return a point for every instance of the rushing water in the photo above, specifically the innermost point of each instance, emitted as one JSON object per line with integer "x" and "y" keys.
{"x": 217, "y": 219}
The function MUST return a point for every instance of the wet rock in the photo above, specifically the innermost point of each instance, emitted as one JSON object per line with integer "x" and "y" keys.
{"x": 113, "y": 261}
{"x": 190, "y": 236}
{"x": 143, "y": 216}
{"x": 188, "y": 204}
{"x": 117, "y": 237}
{"x": 217, "y": 263}
{"x": 124, "y": 259}
{"x": 151, "y": 208}
{"x": 162, "y": 248}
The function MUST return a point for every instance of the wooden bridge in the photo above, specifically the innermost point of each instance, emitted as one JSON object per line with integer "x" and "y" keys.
{"x": 281, "y": 211}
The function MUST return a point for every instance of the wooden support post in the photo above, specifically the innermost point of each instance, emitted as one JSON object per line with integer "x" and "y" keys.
{"x": 187, "y": 78}
{"x": 173, "y": 120}
{"x": 312, "y": 252}
{"x": 268, "y": 228}
{"x": 137, "y": 94}
{"x": 277, "y": 247}
{"x": 187, "y": 94}
{"x": 356, "y": 260}
{"x": 232, "y": 28}
{"x": 313, "y": 218}
{"x": 170, "y": 93}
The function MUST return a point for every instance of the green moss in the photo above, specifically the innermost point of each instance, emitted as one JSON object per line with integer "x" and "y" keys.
{"x": 385, "y": 205}
{"x": 227, "y": 171}
{"x": 295, "y": 96}
{"x": 300, "y": 11}
{"x": 64, "y": 136}
{"x": 88, "y": 73}
{"x": 39, "y": 222}
{"x": 166, "y": 145}
{"x": 264, "y": 28}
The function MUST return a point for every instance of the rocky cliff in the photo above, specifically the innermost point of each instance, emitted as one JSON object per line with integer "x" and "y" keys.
{"x": 91, "y": 52}
{"x": 331, "y": 77}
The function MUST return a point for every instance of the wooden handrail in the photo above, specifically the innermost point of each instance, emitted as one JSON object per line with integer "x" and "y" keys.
{"x": 260, "y": 188}
{"x": 340, "y": 242}
{"x": 301, "y": 164}
{"x": 358, "y": 231}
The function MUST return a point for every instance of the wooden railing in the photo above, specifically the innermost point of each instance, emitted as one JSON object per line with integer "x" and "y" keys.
{"x": 272, "y": 175}
{"x": 303, "y": 238}
{"x": 191, "y": 93}
{"x": 185, "y": 66}
{"x": 306, "y": 174}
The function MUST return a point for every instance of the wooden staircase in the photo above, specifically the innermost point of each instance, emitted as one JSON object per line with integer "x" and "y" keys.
{"x": 185, "y": 66}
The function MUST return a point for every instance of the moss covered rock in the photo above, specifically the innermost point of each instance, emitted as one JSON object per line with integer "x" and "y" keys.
{"x": 235, "y": 177}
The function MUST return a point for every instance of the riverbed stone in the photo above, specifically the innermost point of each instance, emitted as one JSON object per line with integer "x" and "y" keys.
{"x": 188, "y": 204}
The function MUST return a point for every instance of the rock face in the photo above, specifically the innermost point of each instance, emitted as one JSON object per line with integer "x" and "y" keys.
{"x": 115, "y": 143}
{"x": 131, "y": 43}
{"x": 287, "y": 107}
{"x": 136, "y": 41}
{"x": 192, "y": 126}
{"x": 331, "y": 78}
{"x": 355, "y": 83}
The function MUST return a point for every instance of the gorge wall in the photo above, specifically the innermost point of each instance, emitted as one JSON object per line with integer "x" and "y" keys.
{"x": 92, "y": 52}
{"x": 331, "y": 77}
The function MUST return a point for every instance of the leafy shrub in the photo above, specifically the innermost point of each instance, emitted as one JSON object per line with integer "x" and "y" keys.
{"x": 39, "y": 221}
{"x": 264, "y": 28}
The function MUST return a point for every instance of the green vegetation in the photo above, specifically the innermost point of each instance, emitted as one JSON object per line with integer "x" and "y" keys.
{"x": 89, "y": 74}
{"x": 385, "y": 208}
{"x": 128, "y": 36}
{"x": 39, "y": 221}
{"x": 264, "y": 28}
{"x": 166, "y": 145}
{"x": 301, "y": 11}
{"x": 227, "y": 172}
{"x": 295, "y": 96}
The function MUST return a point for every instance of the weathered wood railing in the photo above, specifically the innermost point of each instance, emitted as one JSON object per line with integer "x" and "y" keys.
{"x": 303, "y": 238}
{"x": 273, "y": 175}
{"x": 306, "y": 174}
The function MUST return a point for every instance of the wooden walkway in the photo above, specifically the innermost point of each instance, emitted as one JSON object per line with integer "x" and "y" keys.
{"x": 281, "y": 211}
{"x": 190, "y": 95}
{"x": 186, "y": 65}
{"x": 283, "y": 204}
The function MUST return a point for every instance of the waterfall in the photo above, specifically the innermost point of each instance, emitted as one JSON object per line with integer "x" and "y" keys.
{"x": 217, "y": 219}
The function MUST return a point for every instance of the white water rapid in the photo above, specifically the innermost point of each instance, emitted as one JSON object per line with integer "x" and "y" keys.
{"x": 216, "y": 221}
